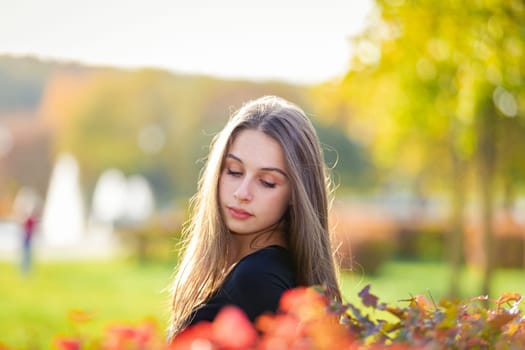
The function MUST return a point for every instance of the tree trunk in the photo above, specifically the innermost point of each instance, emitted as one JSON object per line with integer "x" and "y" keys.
{"x": 509, "y": 193}
{"x": 486, "y": 228}
{"x": 456, "y": 236}
{"x": 486, "y": 159}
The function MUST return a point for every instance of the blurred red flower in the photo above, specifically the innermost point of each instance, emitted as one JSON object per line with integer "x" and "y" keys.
{"x": 67, "y": 343}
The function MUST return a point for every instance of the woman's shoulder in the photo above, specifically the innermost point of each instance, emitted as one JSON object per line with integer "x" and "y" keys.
{"x": 273, "y": 262}
{"x": 258, "y": 281}
{"x": 269, "y": 256}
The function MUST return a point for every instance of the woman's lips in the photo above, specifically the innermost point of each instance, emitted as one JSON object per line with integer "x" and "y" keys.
{"x": 239, "y": 213}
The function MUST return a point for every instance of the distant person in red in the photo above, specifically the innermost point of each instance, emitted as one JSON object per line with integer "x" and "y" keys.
{"x": 29, "y": 226}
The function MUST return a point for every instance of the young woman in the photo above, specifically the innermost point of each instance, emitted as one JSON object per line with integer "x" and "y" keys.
{"x": 259, "y": 221}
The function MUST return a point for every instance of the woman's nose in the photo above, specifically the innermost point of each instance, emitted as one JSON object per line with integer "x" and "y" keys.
{"x": 243, "y": 192}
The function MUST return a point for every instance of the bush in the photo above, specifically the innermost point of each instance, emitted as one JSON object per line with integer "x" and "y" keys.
{"x": 309, "y": 318}
{"x": 368, "y": 256}
{"x": 510, "y": 251}
{"x": 364, "y": 237}
{"x": 421, "y": 243}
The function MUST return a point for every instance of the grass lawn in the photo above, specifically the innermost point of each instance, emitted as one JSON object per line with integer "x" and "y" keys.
{"x": 402, "y": 279}
{"x": 34, "y": 308}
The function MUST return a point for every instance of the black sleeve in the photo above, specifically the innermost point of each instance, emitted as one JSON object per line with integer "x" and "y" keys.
{"x": 255, "y": 286}
{"x": 208, "y": 311}
{"x": 258, "y": 284}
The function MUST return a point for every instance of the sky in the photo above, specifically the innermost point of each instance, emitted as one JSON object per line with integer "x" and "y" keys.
{"x": 300, "y": 41}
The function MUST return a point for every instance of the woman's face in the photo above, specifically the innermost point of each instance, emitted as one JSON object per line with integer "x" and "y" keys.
{"x": 254, "y": 189}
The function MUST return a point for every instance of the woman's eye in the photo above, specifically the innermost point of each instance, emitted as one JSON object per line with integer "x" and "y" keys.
{"x": 268, "y": 184}
{"x": 233, "y": 173}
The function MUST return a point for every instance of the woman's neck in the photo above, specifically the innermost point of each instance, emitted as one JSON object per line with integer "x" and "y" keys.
{"x": 242, "y": 244}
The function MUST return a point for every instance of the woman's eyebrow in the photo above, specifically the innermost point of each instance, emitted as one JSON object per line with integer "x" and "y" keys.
{"x": 282, "y": 172}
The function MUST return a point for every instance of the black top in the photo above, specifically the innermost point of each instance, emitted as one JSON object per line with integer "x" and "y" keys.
{"x": 255, "y": 285}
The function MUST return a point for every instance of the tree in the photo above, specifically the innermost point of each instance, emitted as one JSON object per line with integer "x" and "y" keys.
{"x": 434, "y": 81}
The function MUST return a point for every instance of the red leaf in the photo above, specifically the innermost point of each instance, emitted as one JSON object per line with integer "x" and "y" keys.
{"x": 232, "y": 329}
{"x": 201, "y": 333}
{"x": 280, "y": 326}
{"x": 67, "y": 343}
{"x": 292, "y": 299}
{"x": 303, "y": 303}
{"x": 497, "y": 321}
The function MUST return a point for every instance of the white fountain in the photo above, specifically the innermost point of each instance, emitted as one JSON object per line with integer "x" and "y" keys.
{"x": 120, "y": 200}
{"x": 63, "y": 217}
{"x": 139, "y": 203}
{"x": 65, "y": 234}
{"x": 109, "y": 197}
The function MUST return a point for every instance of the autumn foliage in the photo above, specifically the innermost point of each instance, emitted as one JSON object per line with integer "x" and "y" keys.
{"x": 309, "y": 318}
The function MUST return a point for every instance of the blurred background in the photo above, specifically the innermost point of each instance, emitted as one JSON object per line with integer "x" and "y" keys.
{"x": 107, "y": 110}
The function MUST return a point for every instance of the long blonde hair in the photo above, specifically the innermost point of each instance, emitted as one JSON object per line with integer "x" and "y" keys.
{"x": 204, "y": 263}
